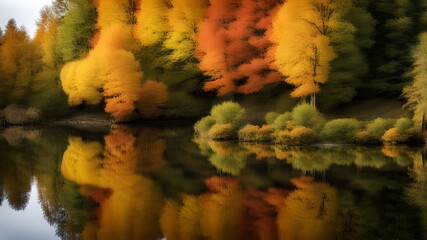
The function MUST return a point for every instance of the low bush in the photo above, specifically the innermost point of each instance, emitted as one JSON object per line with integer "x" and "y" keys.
{"x": 222, "y": 132}
{"x": 308, "y": 116}
{"x": 253, "y": 133}
{"x": 271, "y": 117}
{"x": 282, "y": 121}
{"x": 302, "y": 136}
{"x": 229, "y": 112}
{"x": 203, "y": 126}
{"x": 16, "y": 115}
{"x": 403, "y": 124}
{"x": 298, "y": 136}
{"x": 393, "y": 136}
{"x": 343, "y": 130}
{"x": 378, "y": 127}
{"x": 365, "y": 138}
{"x": 282, "y": 137}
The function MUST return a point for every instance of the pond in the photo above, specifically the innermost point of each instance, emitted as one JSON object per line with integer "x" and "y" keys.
{"x": 157, "y": 182}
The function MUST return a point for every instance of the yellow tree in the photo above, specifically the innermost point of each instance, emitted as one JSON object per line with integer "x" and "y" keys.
{"x": 416, "y": 93}
{"x": 110, "y": 71}
{"x": 309, "y": 212}
{"x": 18, "y": 62}
{"x": 301, "y": 31}
{"x": 133, "y": 209}
{"x": 46, "y": 89}
{"x": 151, "y": 22}
{"x": 184, "y": 19}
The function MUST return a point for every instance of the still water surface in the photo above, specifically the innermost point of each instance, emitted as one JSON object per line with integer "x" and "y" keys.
{"x": 157, "y": 182}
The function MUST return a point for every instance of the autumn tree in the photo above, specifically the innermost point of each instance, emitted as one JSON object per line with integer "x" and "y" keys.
{"x": 18, "y": 63}
{"x": 151, "y": 21}
{"x": 166, "y": 32}
{"x": 256, "y": 70}
{"x": 309, "y": 212}
{"x": 416, "y": 93}
{"x": 46, "y": 89}
{"x": 110, "y": 72}
{"x": 302, "y": 33}
{"x": 184, "y": 19}
{"x": 232, "y": 46}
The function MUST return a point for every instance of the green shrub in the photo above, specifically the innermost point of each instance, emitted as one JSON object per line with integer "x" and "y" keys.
{"x": 302, "y": 136}
{"x": 229, "y": 112}
{"x": 378, "y": 127}
{"x": 222, "y": 132}
{"x": 253, "y": 133}
{"x": 308, "y": 116}
{"x": 341, "y": 129}
{"x": 281, "y": 121}
{"x": 271, "y": 117}
{"x": 204, "y": 125}
{"x": 365, "y": 138}
{"x": 403, "y": 124}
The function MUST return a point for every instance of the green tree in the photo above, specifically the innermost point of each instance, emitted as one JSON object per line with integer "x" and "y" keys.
{"x": 350, "y": 40}
{"x": 395, "y": 35}
{"x": 77, "y": 29}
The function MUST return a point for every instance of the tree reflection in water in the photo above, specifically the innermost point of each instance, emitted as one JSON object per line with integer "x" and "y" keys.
{"x": 150, "y": 183}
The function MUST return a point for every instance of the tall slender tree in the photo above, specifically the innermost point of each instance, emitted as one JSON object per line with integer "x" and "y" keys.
{"x": 18, "y": 63}
{"x": 302, "y": 31}
{"x": 416, "y": 93}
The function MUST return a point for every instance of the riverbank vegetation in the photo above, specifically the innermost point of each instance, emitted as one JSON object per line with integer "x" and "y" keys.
{"x": 152, "y": 59}
{"x": 304, "y": 125}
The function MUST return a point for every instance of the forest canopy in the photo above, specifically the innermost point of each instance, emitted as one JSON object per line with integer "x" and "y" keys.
{"x": 175, "y": 58}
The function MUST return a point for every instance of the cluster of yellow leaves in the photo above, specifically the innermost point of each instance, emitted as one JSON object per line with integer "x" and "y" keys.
{"x": 301, "y": 31}
{"x": 133, "y": 208}
{"x": 110, "y": 71}
{"x": 184, "y": 19}
{"x": 151, "y": 22}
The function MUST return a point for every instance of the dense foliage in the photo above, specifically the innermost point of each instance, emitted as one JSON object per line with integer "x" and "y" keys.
{"x": 156, "y": 58}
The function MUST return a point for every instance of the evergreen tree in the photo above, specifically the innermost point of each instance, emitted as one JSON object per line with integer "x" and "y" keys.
{"x": 77, "y": 29}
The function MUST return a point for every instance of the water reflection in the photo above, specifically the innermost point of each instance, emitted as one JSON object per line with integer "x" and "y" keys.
{"x": 307, "y": 159}
{"x": 158, "y": 182}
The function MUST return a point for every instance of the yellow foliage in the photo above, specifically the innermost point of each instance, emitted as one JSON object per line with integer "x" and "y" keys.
{"x": 111, "y": 12}
{"x": 151, "y": 21}
{"x": 120, "y": 151}
{"x": 109, "y": 67}
{"x": 221, "y": 209}
{"x": 393, "y": 136}
{"x": 190, "y": 217}
{"x": 310, "y": 212}
{"x": 133, "y": 208}
{"x": 169, "y": 220}
{"x": 184, "y": 19}
{"x": 46, "y": 37}
{"x": 302, "y": 36}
